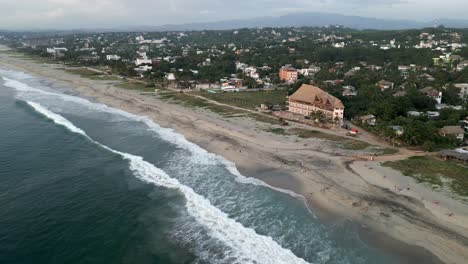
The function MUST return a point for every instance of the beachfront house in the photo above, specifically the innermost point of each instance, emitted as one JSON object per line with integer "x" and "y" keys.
{"x": 349, "y": 91}
{"x": 309, "y": 99}
{"x": 432, "y": 93}
{"x": 453, "y": 131}
{"x": 384, "y": 85}
{"x": 370, "y": 120}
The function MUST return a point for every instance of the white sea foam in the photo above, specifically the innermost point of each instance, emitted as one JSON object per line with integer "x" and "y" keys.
{"x": 199, "y": 155}
{"x": 247, "y": 246}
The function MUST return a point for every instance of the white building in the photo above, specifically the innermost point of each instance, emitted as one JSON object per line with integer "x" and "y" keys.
{"x": 309, "y": 71}
{"x": 55, "y": 50}
{"x": 142, "y": 59}
{"x": 230, "y": 88}
{"x": 462, "y": 65}
{"x": 170, "y": 77}
{"x": 463, "y": 90}
{"x": 112, "y": 57}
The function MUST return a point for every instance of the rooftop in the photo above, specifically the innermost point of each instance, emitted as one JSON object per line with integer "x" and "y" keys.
{"x": 314, "y": 95}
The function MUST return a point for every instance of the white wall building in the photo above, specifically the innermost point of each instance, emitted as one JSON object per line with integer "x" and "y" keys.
{"x": 113, "y": 57}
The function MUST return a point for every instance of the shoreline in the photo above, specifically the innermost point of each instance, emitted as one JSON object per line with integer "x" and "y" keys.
{"x": 335, "y": 187}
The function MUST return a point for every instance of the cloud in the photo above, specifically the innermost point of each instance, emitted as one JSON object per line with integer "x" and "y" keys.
{"x": 111, "y": 13}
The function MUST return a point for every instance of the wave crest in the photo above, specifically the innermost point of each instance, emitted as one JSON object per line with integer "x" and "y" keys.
{"x": 247, "y": 246}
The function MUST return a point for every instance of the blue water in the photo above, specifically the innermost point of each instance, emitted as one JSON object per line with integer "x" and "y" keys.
{"x": 84, "y": 183}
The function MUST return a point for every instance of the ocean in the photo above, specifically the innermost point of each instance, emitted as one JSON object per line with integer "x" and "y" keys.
{"x": 81, "y": 182}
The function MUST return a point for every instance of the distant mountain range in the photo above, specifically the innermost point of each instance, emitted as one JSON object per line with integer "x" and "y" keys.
{"x": 308, "y": 19}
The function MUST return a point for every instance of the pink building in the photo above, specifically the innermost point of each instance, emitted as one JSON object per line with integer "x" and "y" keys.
{"x": 288, "y": 74}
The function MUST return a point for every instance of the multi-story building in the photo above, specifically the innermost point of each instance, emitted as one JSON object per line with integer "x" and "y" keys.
{"x": 463, "y": 90}
{"x": 308, "y": 99}
{"x": 288, "y": 74}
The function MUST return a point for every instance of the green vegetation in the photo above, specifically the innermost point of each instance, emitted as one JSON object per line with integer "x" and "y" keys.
{"x": 346, "y": 143}
{"x": 342, "y": 142}
{"x": 249, "y": 100}
{"x": 225, "y": 111}
{"x": 137, "y": 86}
{"x": 26, "y": 56}
{"x": 387, "y": 151}
{"x": 437, "y": 173}
{"x": 277, "y": 130}
{"x": 90, "y": 74}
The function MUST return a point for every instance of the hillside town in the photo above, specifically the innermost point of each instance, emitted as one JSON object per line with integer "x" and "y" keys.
{"x": 408, "y": 87}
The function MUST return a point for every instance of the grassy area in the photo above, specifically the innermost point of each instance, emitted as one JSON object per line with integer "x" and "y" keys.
{"x": 225, "y": 111}
{"x": 136, "y": 86}
{"x": 344, "y": 142}
{"x": 26, "y": 56}
{"x": 93, "y": 75}
{"x": 388, "y": 151}
{"x": 248, "y": 100}
{"x": 438, "y": 173}
{"x": 277, "y": 130}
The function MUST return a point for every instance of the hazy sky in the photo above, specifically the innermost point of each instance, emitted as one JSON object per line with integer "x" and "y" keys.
{"x": 16, "y": 14}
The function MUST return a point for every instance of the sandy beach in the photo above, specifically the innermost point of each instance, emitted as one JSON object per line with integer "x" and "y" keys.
{"x": 400, "y": 214}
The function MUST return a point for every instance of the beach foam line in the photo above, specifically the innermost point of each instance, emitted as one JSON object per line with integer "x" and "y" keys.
{"x": 167, "y": 134}
{"x": 247, "y": 246}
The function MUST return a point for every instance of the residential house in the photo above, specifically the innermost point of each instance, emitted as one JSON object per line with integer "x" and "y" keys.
{"x": 404, "y": 68}
{"x": 142, "y": 59}
{"x": 398, "y": 130}
{"x": 463, "y": 90}
{"x": 464, "y": 123}
{"x": 170, "y": 77}
{"x": 230, "y": 88}
{"x": 462, "y": 65}
{"x": 349, "y": 91}
{"x": 241, "y": 66}
{"x": 374, "y": 67}
{"x": 308, "y": 99}
{"x": 432, "y": 114}
{"x": 339, "y": 45}
{"x": 399, "y": 94}
{"x": 384, "y": 85}
{"x": 309, "y": 71}
{"x": 413, "y": 113}
{"x": 453, "y": 131}
{"x": 112, "y": 57}
{"x": 424, "y": 45}
{"x": 432, "y": 93}
{"x": 142, "y": 69}
{"x": 288, "y": 74}
{"x": 233, "y": 82}
{"x": 368, "y": 119}
{"x": 427, "y": 76}
{"x": 457, "y": 154}
{"x": 350, "y": 73}
{"x": 203, "y": 86}
{"x": 57, "y": 52}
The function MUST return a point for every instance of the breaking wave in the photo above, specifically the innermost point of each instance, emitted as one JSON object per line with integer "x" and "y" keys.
{"x": 199, "y": 154}
{"x": 246, "y": 246}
